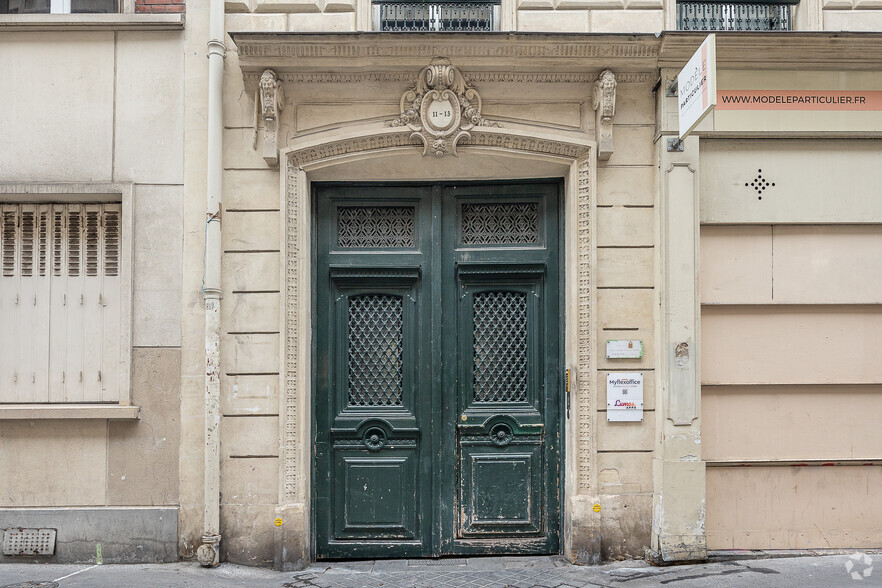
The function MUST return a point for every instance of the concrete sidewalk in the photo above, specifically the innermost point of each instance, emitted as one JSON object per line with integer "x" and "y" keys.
{"x": 492, "y": 572}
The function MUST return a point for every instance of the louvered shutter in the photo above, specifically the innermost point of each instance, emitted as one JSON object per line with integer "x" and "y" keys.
{"x": 60, "y": 303}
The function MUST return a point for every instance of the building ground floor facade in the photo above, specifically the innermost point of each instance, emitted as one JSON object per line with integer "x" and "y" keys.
{"x": 477, "y": 298}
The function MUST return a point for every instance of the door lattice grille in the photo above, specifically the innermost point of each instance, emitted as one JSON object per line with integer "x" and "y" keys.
{"x": 500, "y": 224}
{"x": 375, "y": 226}
{"x": 500, "y": 342}
{"x": 375, "y": 327}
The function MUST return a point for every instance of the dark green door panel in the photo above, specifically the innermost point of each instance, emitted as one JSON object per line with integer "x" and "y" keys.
{"x": 437, "y": 369}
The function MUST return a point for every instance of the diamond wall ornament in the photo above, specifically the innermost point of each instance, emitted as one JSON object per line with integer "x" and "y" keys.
{"x": 759, "y": 184}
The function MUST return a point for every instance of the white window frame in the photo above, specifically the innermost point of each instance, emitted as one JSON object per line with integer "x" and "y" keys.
{"x": 25, "y": 193}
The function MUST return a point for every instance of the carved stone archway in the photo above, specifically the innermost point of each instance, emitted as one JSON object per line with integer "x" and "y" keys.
{"x": 329, "y": 157}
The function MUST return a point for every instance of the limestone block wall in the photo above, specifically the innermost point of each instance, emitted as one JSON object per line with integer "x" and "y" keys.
{"x": 851, "y": 15}
{"x": 791, "y": 318}
{"x": 254, "y": 247}
{"x": 626, "y": 299}
{"x": 581, "y": 16}
{"x": 590, "y": 16}
{"x": 104, "y": 107}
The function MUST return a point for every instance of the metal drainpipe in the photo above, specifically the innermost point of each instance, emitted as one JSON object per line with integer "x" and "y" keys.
{"x": 208, "y": 553}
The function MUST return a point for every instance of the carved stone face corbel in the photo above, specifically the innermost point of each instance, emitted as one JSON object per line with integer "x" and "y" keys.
{"x": 605, "y": 109}
{"x": 440, "y": 108}
{"x": 268, "y": 106}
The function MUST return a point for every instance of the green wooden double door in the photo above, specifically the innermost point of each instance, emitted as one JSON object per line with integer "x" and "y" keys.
{"x": 437, "y": 322}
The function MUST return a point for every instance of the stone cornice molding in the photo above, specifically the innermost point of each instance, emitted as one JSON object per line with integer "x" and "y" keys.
{"x": 771, "y": 50}
{"x": 528, "y": 54}
{"x": 473, "y": 77}
{"x": 484, "y": 52}
{"x": 378, "y": 138}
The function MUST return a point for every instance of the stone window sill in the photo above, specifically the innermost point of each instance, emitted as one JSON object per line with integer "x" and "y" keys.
{"x": 17, "y": 412}
{"x": 91, "y": 22}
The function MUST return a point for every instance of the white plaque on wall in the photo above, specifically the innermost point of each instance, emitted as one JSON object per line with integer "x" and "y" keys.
{"x": 624, "y": 396}
{"x": 624, "y": 349}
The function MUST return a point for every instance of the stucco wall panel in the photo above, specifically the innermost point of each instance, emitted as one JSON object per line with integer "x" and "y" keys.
{"x": 561, "y": 114}
{"x": 142, "y": 455}
{"x": 321, "y": 23}
{"x": 624, "y": 473}
{"x": 57, "y": 93}
{"x": 251, "y": 231}
{"x": 804, "y": 507}
{"x": 250, "y": 480}
{"x": 828, "y": 264}
{"x": 249, "y": 395}
{"x": 633, "y": 21}
{"x": 736, "y": 265}
{"x": 635, "y": 103}
{"x": 852, "y": 20}
{"x": 251, "y": 271}
{"x": 558, "y": 21}
{"x": 625, "y": 526}
{"x": 633, "y": 145}
{"x": 625, "y": 268}
{"x": 625, "y": 227}
{"x": 310, "y": 115}
{"x": 249, "y": 436}
{"x": 791, "y": 422}
{"x": 248, "y": 534}
{"x": 625, "y": 308}
{"x": 149, "y": 144}
{"x": 639, "y": 436}
{"x": 626, "y": 185}
{"x": 158, "y": 256}
{"x": 251, "y": 189}
{"x": 252, "y": 353}
{"x": 250, "y": 312}
{"x": 239, "y": 152}
{"x": 829, "y": 181}
{"x": 791, "y": 345}
{"x": 51, "y": 463}
{"x": 805, "y": 264}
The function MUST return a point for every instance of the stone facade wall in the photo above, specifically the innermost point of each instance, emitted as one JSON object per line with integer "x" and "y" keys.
{"x": 88, "y": 109}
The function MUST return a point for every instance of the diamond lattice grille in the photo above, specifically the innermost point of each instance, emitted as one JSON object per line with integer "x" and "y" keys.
{"x": 500, "y": 224}
{"x": 375, "y": 226}
{"x": 375, "y": 328}
{"x": 500, "y": 323}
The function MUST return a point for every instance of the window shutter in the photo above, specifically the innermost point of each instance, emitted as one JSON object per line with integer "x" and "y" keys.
{"x": 8, "y": 302}
{"x": 9, "y": 240}
{"x": 59, "y": 303}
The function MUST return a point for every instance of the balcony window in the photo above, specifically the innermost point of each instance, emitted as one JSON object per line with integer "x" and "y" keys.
{"x": 714, "y": 15}
{"x": 57, "y": 6}
{"x": 457, "y": 16}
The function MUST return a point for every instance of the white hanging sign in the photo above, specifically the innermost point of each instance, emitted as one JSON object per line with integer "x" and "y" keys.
{"x": 697, "y": 86}
{"x": 624, "y": 396}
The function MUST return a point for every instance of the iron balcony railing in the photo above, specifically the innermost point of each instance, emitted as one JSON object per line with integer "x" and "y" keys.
{"x": 457, "y": 16}
{"x": 713, "y": 15}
